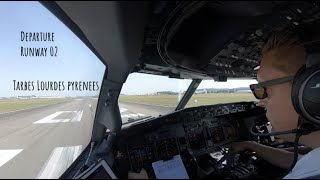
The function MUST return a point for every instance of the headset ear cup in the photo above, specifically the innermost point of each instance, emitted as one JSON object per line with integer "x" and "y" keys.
{"x": 304, "y": 95}
{"x": 296, "y": 85}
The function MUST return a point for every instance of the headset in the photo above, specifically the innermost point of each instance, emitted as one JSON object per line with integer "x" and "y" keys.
{"x": 305, "y": 94}
{"x": 306, "y": 84}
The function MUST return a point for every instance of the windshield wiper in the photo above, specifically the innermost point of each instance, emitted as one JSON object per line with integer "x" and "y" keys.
{"x": 130, "y": 120}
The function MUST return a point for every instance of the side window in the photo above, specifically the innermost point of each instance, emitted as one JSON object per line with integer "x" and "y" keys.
{"x": 146, "y": 95}
{"x": 49, "y": 85}
{"x": 210, "y": 92}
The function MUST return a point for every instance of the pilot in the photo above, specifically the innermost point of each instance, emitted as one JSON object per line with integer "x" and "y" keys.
{"x": 282, "y": 56}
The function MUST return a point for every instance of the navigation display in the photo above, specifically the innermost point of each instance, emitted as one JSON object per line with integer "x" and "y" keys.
{"x": 196, "y": 140}
{"x": 217, "y": 134}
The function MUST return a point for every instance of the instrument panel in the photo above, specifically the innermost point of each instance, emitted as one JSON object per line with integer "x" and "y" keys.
{"x": 195, "y": 131}
{"x": 209, "y": 133}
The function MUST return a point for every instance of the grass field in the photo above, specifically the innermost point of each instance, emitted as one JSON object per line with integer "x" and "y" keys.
{"x": 196, "y": 99}
{"x": 7, "y": 105}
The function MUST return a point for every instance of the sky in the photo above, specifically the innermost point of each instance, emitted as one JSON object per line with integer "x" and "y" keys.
{"x": 74, "y": 61}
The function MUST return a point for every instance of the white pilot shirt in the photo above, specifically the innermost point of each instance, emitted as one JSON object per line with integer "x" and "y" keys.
{"x": 308, "y": 166}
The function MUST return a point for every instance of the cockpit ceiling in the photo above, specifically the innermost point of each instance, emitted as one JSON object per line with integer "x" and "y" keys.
{"x": 192, "y": 40}
{"x": 216, "y": 39}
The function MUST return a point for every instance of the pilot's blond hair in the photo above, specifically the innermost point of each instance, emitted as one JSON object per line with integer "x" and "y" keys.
{"x": 289, "y": 54}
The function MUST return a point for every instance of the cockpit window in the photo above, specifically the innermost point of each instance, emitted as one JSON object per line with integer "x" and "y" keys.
{"x": 49, "y": 85}
{"x": 146, "y": 95}
{"x": 210, "y": 92}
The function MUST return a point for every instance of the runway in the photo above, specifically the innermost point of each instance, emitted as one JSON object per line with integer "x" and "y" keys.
{"x": 43, "y": 142}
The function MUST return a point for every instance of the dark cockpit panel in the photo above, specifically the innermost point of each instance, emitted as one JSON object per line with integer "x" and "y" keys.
{"x": 192, "y": 133}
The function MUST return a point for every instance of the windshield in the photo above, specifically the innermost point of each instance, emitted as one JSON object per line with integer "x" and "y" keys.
{"x": 145, "y": 95}
{"x": 210, "y": 92}
{"x": 49, "y": 86}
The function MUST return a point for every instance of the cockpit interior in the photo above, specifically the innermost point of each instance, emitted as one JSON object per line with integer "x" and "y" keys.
{"x": 195, "y": 40}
